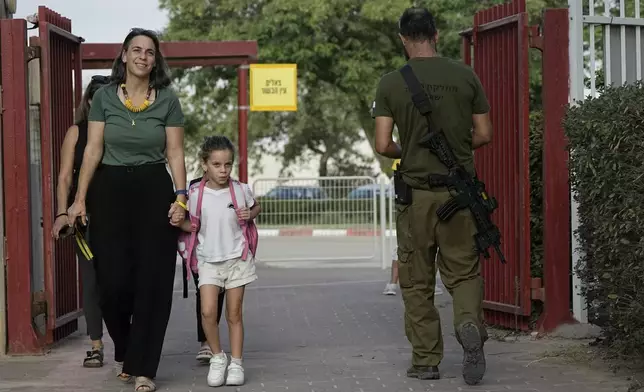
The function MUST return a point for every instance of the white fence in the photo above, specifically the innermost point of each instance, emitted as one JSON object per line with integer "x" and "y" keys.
{"x": 325, "y": 218}
{"x": 605, "y": 40}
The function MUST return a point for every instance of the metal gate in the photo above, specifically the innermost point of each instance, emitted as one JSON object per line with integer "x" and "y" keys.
{"x": 21, "y": 334}
{"x": 60, "y": 94}
{"x": 497, "y": 47}
{"x": 332, "y": 218}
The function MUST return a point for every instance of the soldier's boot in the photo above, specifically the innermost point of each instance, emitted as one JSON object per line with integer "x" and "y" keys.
{"x": 424, "y": 372}
{"x": 473, "y": 355}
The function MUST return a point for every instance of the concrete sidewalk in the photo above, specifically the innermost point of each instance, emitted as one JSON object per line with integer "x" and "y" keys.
{"x": 312, "y": 330}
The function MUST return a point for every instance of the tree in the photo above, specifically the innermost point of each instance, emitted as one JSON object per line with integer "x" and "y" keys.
{"x": 325, "y": 128}
{"x": 347, "y": 44}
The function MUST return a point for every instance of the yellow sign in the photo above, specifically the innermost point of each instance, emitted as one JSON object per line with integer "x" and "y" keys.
{"x": 273, "y": 87}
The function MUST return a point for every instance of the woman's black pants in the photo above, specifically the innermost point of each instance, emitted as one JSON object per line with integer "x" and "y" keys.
{"x": 136, "y": 252}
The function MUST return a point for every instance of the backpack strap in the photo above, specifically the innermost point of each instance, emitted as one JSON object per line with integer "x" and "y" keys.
{"x": 242, "y": 223}
{"x": 232, "y": 192}
{"x": 202, "y": 185}
{"x": 195, "y": 224}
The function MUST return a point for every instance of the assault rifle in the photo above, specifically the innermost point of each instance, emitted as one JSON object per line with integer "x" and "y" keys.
{"x": 470, "y": 191}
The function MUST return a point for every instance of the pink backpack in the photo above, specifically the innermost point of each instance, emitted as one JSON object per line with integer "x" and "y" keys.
{"x": 188, "y": 241}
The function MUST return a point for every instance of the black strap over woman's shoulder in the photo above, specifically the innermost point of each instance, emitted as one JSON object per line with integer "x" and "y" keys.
{"x": 79, "y": 149}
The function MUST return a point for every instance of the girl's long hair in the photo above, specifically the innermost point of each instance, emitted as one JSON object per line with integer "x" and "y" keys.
{"x": 82, "y": 112}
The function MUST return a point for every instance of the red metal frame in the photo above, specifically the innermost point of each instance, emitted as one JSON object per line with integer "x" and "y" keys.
{"x": 500, "y": 40}
{"x": 60, "y": 67}
{"x": 556, "y": 268}
{"x": 242, "y": 113}
{"x": 22, "y": 337}
{"x": 186, "y": 54}
{"x": 178, "y": 54}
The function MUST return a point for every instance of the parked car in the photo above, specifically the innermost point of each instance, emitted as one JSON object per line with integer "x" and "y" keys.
{"x": 368, "y": 191}
{"x": 294, "y": 192}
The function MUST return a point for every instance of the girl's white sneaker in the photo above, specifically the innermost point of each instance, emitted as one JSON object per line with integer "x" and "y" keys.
{"x": 217, "y": 371}
{"x": 390, "y": 289}
{"x": 235, "y": 374}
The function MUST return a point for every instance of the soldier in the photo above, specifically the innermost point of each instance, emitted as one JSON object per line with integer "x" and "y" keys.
{"x": 460, "y": 108}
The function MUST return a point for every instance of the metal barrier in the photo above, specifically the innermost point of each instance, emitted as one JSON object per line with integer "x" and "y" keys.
{"x": 391, "y": 233}
{"x": 331, "y": 218}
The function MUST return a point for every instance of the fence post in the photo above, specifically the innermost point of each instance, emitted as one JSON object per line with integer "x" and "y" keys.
{"x": 3, "y": 300}
{"x": 556, "y": 211}
{"x": 383, "y": 222}
{"x": 36, "y": 196}
{"x": 21, "y": 336}
{"x": 576, "y": 79}
{"x": 242, "y": 114}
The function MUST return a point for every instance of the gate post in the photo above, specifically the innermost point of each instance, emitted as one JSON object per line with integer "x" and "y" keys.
{"x": 21, "y": 337}
{"x": 556, "y": 204}
{"x": 242, "y": 112}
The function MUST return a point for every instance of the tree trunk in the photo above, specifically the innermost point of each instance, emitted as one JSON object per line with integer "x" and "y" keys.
{"x": 324, "y": 164}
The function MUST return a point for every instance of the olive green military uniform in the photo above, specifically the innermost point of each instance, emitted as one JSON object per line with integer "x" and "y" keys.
{"x": 456, "y": 94}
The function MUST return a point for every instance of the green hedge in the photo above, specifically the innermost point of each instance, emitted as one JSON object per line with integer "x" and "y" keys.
{"x": 607, "y": 163}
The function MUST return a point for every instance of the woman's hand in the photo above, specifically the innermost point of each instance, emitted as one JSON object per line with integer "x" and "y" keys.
{"x": 177, "y": 214}
{"x": 77, "y": 210}
{"x": 59, "y": 224}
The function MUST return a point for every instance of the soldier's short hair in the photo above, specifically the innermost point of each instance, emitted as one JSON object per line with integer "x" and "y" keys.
{"x": 417, "y": 24}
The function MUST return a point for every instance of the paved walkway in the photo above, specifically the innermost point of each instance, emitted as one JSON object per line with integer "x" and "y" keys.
{"x": 312, "y": 330}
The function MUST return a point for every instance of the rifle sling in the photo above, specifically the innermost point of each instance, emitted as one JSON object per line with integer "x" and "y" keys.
{"x": 422, "y": 103}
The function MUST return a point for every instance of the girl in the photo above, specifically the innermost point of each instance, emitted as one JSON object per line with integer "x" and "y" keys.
{"x": 219, "y": 253}
{"x": 205, "y": 353}
{"x": 390, "y": 288}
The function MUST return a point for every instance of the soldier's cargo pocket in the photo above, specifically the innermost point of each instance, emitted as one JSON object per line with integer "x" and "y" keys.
{"x": 405, "y": 273}
{"x": 405, "y": 247}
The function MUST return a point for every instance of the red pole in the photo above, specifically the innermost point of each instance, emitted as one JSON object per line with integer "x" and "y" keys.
{"x": 242, "y": 112}
{"x": 21, "y": 336}
{"x": 556, "y": 206}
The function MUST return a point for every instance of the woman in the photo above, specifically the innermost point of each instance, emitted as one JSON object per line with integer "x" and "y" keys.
{"x": 71, "y": 157}
{"x": 135, "y": 125}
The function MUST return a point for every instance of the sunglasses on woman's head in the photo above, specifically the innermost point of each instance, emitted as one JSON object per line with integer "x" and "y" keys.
{"x": 101, "y": 79}
{"x": 140, "y": 31}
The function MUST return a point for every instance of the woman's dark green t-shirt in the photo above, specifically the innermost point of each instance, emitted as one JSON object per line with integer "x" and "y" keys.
{"x": 140, "y": 144}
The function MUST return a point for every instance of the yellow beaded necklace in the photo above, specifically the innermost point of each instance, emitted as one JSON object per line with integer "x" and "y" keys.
{"x": 128, "y": 101}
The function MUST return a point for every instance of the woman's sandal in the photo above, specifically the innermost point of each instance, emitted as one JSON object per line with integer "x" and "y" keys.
{"x": 144, "y": 384}
{"x": 204, "y": 354}
{"x": 94, "y": 358}
{"x": 118, "y": 367}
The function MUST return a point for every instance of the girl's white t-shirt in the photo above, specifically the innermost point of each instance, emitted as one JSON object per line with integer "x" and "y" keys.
{"x": 220, "y": 236}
